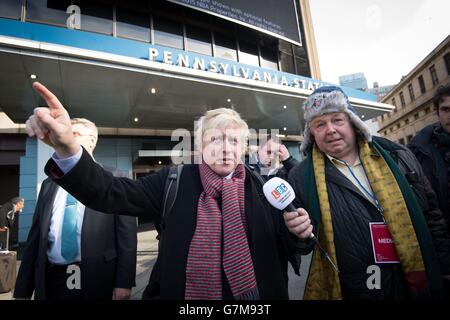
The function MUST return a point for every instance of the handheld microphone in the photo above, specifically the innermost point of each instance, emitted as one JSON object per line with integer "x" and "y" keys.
{"x": 280, "y": 195}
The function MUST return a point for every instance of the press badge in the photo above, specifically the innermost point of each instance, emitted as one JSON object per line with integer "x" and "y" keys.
{"x": 382, "y": 243}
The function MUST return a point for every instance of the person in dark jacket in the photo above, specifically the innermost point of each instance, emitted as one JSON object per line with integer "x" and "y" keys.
{"x": 272, "y": 159}
{"x": 431, "y": 146}
{"x": 219, "y": 239}
{"x": 8, "y": 212}
{"x": 374, "y": 212}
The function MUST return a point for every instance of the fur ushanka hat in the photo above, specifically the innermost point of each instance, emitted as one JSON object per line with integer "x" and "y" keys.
{"x": 325, "y": 100}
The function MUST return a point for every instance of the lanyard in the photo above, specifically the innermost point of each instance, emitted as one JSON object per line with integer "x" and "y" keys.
{"x": 370, "y": 194}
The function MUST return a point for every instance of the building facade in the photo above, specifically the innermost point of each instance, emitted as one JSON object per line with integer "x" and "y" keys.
{"x": 356, "y": 80}
{"x": 380, "y": 91}
{"x": 412, "y": 97}
{"x": 143, "y": 71}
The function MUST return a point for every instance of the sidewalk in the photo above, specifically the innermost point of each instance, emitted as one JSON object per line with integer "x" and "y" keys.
{"x": 146, "y": 257}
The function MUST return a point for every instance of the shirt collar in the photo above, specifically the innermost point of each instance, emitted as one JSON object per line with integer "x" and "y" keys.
{"x": 336, "y": 161}
{"x": 229, "y": 176}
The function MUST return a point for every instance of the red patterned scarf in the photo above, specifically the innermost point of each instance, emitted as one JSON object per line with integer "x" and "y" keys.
{"x": 205, "y": 260}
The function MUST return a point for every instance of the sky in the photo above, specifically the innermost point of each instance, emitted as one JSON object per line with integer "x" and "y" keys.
{"x": 384, "y": 39}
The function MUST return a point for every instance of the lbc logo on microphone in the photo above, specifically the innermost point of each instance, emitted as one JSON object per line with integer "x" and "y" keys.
{"x": 278, "y": 191}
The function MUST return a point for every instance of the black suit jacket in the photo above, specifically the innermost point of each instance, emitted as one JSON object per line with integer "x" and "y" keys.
{"x": 6, "y": 209}
{"x": 108, "y": 251}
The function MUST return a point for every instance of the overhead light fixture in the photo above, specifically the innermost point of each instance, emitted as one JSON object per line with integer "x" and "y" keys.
{"x": 363, "y": 116}
{"x": 136, "y": 119}
{"x": 228, "y": 100}
{"x": 284, "y": 128}
{"x": 153, "y": 90}
{"x": 159, "y": 162}
{"x": 284, "y": 107}
{"x": 33, "y": 76}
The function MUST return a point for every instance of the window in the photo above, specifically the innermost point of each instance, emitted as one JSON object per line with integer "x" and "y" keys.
{"x": 269, "y": 58}
{"x": 198, "y": 40}
{"x": 421, "y": 84}
{"x": 409, "y": 138}
{"x": 286, "y": 57}
{"x": 168, "y": 33}
{"x": 434, "y": 77}
{"x": 225, "y": 47}
{"x": 132, "y": 24}
{"x": 447, "y": 62}
{"x": 96, "y": 16}
{"x": 411, "y": 92}
{"x": 402, "y": 99}
{"x": 248, "y": 53}
{"x": 394, "y": 102}
{"x": 406, "y": 121}
{"x": 301, "y": 61}
{"x": 416, "y": 116}
{"x": 51, "y": 11}
{"x": 10, "y": 9}
{"x": 402, "y": 141}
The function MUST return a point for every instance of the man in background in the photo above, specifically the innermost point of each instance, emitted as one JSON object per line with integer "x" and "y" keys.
{"x": 8, "y": 213}
{"x": 431, "y": 146}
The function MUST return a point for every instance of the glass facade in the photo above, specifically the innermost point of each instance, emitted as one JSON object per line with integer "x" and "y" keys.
{"x": 96, "y": 16}
{"x": 198, "y": 40}
{"x": 269, "y": 53}
{"x": 168, "y": 33}
{"x": 248, "y": 52}
{"x": 132, "y": 24}
{"x": 225, "y": 47}
{"x": 167, "y": 24}
{"x": 47, "y": 11}
{"x": 11, "y": 9}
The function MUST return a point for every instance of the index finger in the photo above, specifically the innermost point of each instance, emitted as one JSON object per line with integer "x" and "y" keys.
{"x": 51, "y": 100}
{"x": 290, "y": 215}
{"x": 302, "y": 212}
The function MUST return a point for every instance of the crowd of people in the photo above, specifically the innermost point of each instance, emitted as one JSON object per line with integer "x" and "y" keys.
{"x": 366, "y": 202}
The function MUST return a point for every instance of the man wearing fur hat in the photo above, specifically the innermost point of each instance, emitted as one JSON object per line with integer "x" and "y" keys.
{"x": 372, "y": 209}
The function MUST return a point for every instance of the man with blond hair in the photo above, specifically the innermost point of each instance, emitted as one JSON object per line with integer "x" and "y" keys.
{"x": 218, "y": 241}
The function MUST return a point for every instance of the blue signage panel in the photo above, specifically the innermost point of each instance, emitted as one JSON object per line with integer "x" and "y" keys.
{"x": 164, "y": 55}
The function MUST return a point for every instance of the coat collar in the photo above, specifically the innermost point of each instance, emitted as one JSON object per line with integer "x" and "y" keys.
{"x": 333, "y": 175}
